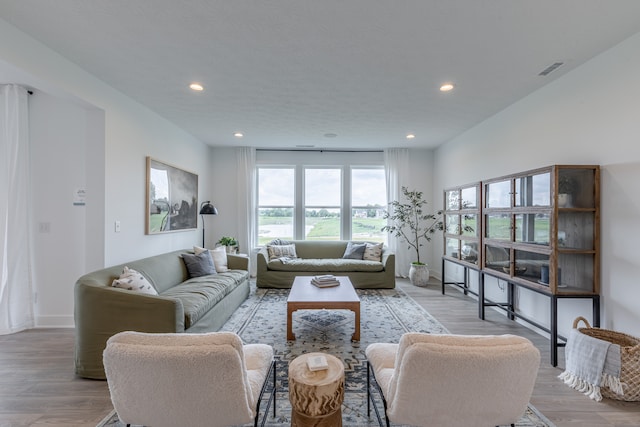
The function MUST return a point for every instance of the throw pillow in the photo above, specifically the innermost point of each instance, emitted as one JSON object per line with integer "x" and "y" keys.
{"x": 199, "y": 265}
{"x": 132, "y": 280}
{"x": 354, "y": 250}
{"x": 281, "y": 251}
{"x": 373, "y": 252}
{"x": 279, "y": 242}
{"x": 219, "y": 256}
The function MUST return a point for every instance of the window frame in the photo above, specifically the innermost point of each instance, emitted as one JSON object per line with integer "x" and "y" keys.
{"x": 299, "y": 208}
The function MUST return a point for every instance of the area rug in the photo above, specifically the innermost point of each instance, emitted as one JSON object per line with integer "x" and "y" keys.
{"x": 384, "y": 316}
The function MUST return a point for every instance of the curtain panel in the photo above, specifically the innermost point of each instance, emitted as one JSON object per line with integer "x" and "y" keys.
{"x": 16, "y": 293}
{"x": 246, "y": 193}
{"x": 396, "y": 167}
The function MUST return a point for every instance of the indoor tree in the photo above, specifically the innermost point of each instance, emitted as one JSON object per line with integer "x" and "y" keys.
{"x": 408, "y": 221}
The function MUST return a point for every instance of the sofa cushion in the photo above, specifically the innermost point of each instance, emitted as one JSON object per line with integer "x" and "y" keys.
{"x": 198, "y": 295}
{"x": 354, "y": 250}
{"x": 199, "y": 265}
{"x": 325, "y": 265}
{"x": 373, "y": 252}
{"x": 281, "y": 251}
{"x": 219, "y": 256}
{"x": 132, "y": 280}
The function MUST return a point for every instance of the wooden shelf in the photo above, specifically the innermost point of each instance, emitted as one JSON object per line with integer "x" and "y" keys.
{"x": 531, "y": 229}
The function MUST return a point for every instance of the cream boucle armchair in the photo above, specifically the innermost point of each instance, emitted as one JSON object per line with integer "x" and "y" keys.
{"x": 453, "y": 380}
{"x": 191, "y": 380}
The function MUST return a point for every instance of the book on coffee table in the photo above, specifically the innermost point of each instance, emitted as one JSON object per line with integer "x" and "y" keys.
{"x": 317, "y": 363}
{"x": 325, "y": 281}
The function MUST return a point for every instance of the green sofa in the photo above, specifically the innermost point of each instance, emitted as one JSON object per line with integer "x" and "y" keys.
{"x": 325, "y": 257}
{"x": 201, "y": 304}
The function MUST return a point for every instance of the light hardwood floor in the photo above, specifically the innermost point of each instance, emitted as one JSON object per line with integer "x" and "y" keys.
{"x": 38, "y": 386}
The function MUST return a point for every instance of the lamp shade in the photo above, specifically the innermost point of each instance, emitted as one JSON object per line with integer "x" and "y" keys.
{"x": 206, "y": 208}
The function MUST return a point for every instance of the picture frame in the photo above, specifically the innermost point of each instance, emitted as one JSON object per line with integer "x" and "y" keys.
{"x": 171, "y": 198}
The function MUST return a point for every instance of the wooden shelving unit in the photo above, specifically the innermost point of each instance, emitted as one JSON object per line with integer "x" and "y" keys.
{"x": 540, "y": 229}
{"x": 462, "y": 244}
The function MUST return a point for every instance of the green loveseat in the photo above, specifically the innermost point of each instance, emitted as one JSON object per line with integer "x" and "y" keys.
{"x": 201, "y": 304}
{"x": 325, "y": 257}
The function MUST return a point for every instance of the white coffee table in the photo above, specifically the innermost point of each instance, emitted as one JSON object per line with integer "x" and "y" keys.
{"x": 305, "y": 296}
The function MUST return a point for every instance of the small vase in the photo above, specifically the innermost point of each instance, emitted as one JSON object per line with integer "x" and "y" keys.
{"x": 419, "y": 274}
{"x": 564, "y": 200}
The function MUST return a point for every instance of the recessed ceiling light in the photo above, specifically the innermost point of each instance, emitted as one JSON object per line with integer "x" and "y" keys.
{"x": 238, "y": 134}
{"x": 410, "y": 136}
{"x": 330, "y": 135}
{"x": 197, "y": 87}
{"x": 446, "y": 87}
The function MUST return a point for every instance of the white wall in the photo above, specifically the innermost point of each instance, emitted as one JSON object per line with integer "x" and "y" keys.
{"x": 58, "y": 151}
{"x": 87, "y": 135}
{"x": 588, "y": 116}
{"x": 224, "y": 196}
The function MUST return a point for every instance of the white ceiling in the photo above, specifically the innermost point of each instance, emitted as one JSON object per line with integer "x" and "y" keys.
{"x": 287, "y": 72}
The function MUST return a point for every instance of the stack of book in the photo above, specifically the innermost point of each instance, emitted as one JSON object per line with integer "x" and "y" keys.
{"x": 325, "y": 281}
{"x": 317, "y": 363}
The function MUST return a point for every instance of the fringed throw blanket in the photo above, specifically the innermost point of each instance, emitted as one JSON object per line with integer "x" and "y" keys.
{"x": 591, "y": 363}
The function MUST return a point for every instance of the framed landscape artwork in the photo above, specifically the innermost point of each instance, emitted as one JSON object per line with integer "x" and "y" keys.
{"x": 172, "y": 198}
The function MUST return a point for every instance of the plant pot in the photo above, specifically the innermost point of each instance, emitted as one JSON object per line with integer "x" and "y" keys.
{"x": 564, "y": 200}
{"x": 419, "y": 274}
{"x": 231, "y": 249}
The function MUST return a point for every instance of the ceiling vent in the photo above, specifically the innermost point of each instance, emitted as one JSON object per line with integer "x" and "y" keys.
{"x": 550, "y": 69}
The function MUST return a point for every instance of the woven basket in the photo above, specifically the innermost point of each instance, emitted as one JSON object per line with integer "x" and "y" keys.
{"x": 629, "y": 360}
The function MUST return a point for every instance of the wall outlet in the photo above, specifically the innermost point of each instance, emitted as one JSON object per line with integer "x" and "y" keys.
{"x": 117, "y": 226}
{"x": 44, "y": 227}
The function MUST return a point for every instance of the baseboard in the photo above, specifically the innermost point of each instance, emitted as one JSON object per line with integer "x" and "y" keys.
{"x": 55, "y": 322}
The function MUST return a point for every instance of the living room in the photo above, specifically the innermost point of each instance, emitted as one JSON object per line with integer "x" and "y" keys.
{"x": 86, "y": 135}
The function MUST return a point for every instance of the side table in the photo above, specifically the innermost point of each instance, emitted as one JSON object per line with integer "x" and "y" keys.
{"x": 316, "y": 396}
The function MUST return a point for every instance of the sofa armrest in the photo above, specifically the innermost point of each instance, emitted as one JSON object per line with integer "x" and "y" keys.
{"x": 102, "y": 311}
{"x": 262, "y": 259}
{"x": 237, "y": 262}
{"x": 389, "y": 262}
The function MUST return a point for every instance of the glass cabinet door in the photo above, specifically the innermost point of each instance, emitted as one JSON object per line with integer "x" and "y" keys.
{"x": 452, "y": 224}
{"x": 532, "y": 228}
{"x": 498, "y": 226}
{"x": 533, "y": 190}
{"x": 497, "y": 258}
{"x": 452, "y": 200}
{"x": 469, "y": 198}
{"x": 531, "y": 266}
{"x": 575, "y": 188}
{"x": 452, "y": 248}
{"x": 469, "y": 251}
{"x": 470, "y": 226}
{"x": 576, "y": 230}
{"x": 498, "y": 194}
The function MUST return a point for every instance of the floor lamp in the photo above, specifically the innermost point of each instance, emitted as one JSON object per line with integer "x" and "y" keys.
{"x": 206, "y": 208}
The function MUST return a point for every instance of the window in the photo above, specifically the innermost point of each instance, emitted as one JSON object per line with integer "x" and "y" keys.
{"x": 321, "y": 203}
{"x": 276, "y": 203}
{"x": 368, "y": 202}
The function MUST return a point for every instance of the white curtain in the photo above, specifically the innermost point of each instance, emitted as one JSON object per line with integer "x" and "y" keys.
{"x": 16, "y": 296}
{"x": 246, "y": 192}
{"x": 396, "y": 167}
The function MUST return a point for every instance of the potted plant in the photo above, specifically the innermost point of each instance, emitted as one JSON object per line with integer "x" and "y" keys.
{"x": 409, "y": 222}
{"x": 230, "y": 243}
{"x": 566, "y": 189}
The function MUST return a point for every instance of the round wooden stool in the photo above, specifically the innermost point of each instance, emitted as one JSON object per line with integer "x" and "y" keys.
{"x": 316, "y": 396}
